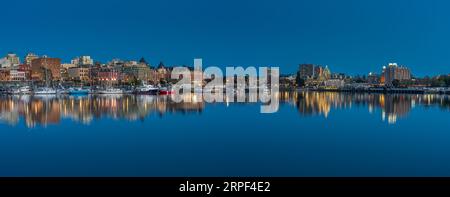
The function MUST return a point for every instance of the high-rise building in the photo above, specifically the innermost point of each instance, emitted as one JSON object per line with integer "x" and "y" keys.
{"x": 86, "y": 60}
{"x": 306, "y": 71}
{"x": 83, "y": 61}
{"x": 10, "y": 60}
{"x": 30, "y": 57}
{"x": 394, "y": 72}
{"x": 13, "y": 59}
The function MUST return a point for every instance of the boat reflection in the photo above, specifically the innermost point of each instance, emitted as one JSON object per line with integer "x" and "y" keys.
{"x": 45, "y": 110}
{"x": 50, "y": 109}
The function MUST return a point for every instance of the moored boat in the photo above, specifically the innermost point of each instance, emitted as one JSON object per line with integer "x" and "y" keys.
{"x": 21, "y": 90}
{"x": 111, "y": 91}
{"x": 3, "y": 91}
{"x": 45, "y": 90}
{"x": 146, "y": 89}
{"x": 166, "y": 91}
{"x": 78, "y": 91}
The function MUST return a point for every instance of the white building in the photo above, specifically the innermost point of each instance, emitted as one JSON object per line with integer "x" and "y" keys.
{"x": 86, "y": 60}
{"x": 5, "y": 63}
{"x": 82, "y": 61}
{"x": 13, "y": 59}
{"x": 16, "y": 75}
{"x": 75, "y": 61}
{"x": 334, "y": 83}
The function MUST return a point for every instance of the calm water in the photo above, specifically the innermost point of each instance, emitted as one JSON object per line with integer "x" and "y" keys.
{"x": 313, "y": 134}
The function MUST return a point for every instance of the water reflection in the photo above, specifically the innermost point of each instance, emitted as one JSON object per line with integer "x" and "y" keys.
{"x": 393, "y": 106}
{"x": 45, "y": 110}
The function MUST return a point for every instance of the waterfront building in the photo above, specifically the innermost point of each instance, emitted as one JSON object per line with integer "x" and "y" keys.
{"x": 139, "y": 71}
{"x": 83, "y": 61}
{"x": 338, "y": 76}
{"x": 318, "y": 72}
{"x": 373, "y": 79}
{"x": 26, "y": 68}
{"x": 17, "y": 75}
{"x": 68, "y": 66}
{"x": 13, "y": 74}
{"x": 306, "y": 71}
{"x": 30, "y": 57}
{"x": 10, "y": 60}
{"x": 4, "y": 75}
{"x": 13, "y": 59}
{"x": 75, "y": 61}
{"x": 326, "y": 73}
{"x": 334, "y": 83}
{"x": 65, "y": 70}
{"x": 86, "y": 60}
{"x": 5, "y": 63}
{"x": 106, "y": 74}
{"x": 162, "y": 73}
{"x": 43, "y": 66}
{"x": 78, "y": 74}
{"x": 394, "y": 72}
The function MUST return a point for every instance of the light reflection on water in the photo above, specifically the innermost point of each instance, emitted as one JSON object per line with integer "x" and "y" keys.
{"x": 312, "y": 134}
{"x": 45, "y": 110}
{"x": 393, "y": 106}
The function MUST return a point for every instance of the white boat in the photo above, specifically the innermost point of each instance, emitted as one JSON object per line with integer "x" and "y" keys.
{"x": 147, "y": 90}
{"x": 111, "y": 91}
{"x": 45, "y": 90}
{"x": 62, "y": 91}
{"x": 22, "y": 90}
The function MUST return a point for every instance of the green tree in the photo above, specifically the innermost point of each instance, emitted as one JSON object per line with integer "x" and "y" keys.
{"x": 134, "y": 81}
{"x": 396, "y": 83}
{"x": 299, "y": 80}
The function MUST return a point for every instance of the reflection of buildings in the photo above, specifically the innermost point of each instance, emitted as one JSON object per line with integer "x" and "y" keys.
{"x": 44, "y": 110}
{"x": 50, "y": 110}
{"x": 393, "y": 106}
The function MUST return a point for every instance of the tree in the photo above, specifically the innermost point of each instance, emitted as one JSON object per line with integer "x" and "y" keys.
{"x": 162, "y": 82}
{"x": 134, "y": 81}
{"x": 299, "y": 80}
{"x": 396, "y": 83}
{"x": 447, "y": 81}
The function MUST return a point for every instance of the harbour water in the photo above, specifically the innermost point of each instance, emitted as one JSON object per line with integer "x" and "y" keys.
{"x": 312, "y": 134}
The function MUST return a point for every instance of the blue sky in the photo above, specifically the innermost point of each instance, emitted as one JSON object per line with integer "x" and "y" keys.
{"x": 350, "y": 36}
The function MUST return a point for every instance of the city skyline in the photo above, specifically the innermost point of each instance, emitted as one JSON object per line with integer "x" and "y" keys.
{"x": 350, "y": 36}
{"x": 86, "y": 60}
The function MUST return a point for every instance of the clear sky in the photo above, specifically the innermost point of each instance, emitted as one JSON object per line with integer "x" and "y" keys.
{"x": 353, "y": 36}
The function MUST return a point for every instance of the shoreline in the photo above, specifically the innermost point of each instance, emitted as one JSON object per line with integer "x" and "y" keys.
{"x": 378, "y": 91}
